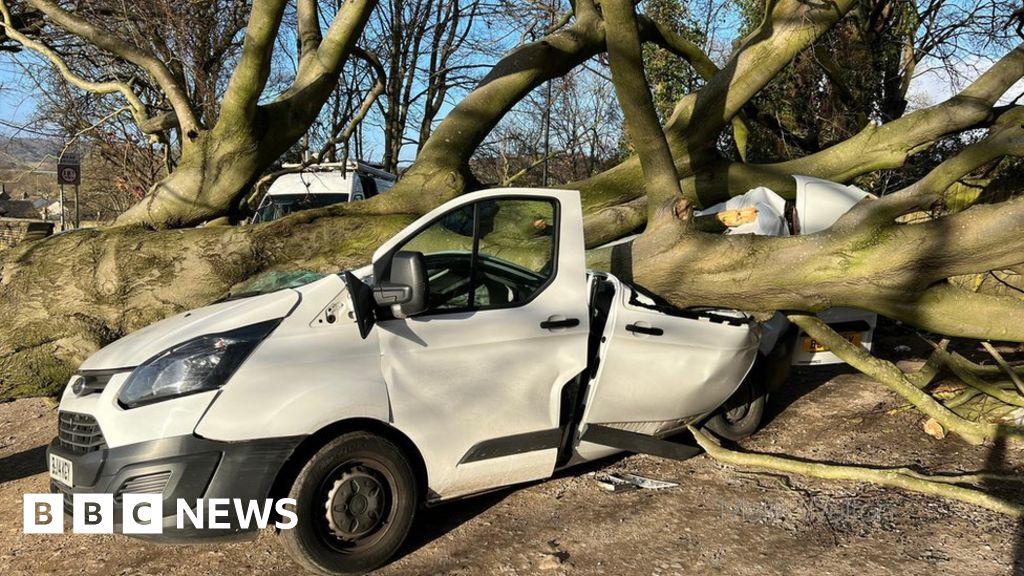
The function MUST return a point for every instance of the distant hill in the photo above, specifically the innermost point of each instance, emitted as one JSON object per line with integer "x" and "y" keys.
{"x": 20, "y": 152}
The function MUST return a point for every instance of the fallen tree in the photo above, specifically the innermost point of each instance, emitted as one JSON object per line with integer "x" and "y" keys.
{"x": 63, "y": 298}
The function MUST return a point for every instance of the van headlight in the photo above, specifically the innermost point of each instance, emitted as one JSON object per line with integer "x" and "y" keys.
{"x": 201, "y": 364}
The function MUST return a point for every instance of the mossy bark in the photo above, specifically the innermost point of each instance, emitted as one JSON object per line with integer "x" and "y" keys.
{"x": 63, "y": 298}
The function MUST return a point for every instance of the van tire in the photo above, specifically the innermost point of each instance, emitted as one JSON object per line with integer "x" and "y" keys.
{"x": 740, "y": 415}
{"x": 355, "y": 503}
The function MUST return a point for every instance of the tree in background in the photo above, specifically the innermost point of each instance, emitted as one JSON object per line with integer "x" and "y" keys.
{"x": 585, "y": 135}
{"x": 860, "y": 71}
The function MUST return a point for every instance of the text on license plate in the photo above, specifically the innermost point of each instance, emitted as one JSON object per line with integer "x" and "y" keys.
{"x": 61, "y": 470}
{"x": 812, "y": 345}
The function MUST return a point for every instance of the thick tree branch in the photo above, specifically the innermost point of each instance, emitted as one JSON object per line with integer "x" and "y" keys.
{"x": 875, "y": 148}
{"x": 218, "y": 166}
{"x": 1005, "y": 139}
{"x": 253, "y": 69}
{"x": 614, "y": 222}
{"x": 625, "y": 59}
{"x": 898, "y": 270}
{"x": 790, "y": 27}
{"x": 945, "y": 309}
{"x": 337, "y": 44}
{"x": 657, "y": 32}
{"x": 291, "y": 114}
{"x": 310, "y": 34}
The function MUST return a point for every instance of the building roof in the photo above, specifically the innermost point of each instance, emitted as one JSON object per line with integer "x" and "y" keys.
{"x": 18, "y": 209}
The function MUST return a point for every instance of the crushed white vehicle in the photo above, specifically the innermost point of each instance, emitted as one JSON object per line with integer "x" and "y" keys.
{"x": 476, "y": 352}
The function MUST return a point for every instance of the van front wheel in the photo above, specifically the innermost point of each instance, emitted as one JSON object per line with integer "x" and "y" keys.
{"x": 355, "y": 502}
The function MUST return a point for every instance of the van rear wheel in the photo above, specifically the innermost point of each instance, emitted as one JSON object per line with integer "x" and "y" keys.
{"x": 355, "y": 502}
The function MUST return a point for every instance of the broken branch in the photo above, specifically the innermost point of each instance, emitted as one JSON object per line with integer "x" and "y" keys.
{"x": 943, "y": 486}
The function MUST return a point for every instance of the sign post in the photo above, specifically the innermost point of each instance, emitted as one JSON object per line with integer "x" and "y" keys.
{"x": 69, "y": 172}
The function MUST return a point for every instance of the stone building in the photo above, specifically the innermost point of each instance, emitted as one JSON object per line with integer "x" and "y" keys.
{"x": 20, "y": 221}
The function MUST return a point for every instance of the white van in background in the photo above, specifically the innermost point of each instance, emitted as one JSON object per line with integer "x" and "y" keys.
{"x": 322, "y": 185}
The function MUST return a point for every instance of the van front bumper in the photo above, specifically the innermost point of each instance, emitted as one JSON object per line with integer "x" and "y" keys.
{"x": 180, "y": 467}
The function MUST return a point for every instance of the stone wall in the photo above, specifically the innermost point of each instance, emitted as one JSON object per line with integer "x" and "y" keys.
{"x": 13, "y": 231}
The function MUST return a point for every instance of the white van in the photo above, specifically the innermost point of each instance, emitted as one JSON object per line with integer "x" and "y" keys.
{"x": 321, "y": 185}
{"x": 474, "y": 353}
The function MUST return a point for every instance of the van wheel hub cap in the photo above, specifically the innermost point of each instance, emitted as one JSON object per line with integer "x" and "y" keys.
{"x": 355, "y": 504}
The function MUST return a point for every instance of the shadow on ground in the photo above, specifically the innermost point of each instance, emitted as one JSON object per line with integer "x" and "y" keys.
{"x": 435, "y": 522}
{"x": 23, "y": 464}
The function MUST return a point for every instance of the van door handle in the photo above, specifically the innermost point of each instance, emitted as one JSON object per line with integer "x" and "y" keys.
{"x": 550, "y": 324}
{"x": 651, "y": 331}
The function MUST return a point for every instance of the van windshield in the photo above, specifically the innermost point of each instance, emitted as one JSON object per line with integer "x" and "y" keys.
{"x": 280, "y": 205}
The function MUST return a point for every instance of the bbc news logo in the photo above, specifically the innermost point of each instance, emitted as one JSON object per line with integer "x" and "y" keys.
{"x": 144, "y": 513}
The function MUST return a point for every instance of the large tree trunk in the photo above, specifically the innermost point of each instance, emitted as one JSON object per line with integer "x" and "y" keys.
{"x": 214, "y": 170}
{"x": 65, "y": 297}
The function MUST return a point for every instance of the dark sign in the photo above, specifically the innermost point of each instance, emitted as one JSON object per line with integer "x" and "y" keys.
{"x": 69, "y": 169}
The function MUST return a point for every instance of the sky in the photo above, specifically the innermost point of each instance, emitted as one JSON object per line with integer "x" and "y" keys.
{"x": 17, "y": 99}
{"x": 932, "y": 84}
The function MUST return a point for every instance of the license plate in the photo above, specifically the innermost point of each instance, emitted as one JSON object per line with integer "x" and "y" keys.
{"x": 813, "y": 346}
{"x": 61, "y": 470}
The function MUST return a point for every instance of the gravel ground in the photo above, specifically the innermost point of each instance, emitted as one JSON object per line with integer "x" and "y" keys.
{"x": 718, "y": 521}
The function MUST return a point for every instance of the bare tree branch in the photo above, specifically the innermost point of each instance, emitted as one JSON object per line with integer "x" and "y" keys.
{"x": 626, "y": 61}
{"x": 138, "y": 109}
{"x": 176, "y": 93}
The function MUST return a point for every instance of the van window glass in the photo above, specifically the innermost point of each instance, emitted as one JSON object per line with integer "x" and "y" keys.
{"x": 280, "y": 205}
{"x": 447, "y": 246}
{"x": 491, "y": 254}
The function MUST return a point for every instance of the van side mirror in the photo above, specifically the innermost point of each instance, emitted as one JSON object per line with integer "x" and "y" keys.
{"x": 406, "y": 288}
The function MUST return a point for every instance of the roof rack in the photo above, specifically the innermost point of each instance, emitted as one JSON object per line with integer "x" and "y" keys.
{"x": 371, "y": 168}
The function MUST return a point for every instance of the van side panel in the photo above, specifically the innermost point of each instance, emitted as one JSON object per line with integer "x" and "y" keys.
{"x": 661, "y": 369}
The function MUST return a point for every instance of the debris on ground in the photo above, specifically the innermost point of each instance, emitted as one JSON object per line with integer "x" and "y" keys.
{"x": 624, "y": 482}
{"x": 555, "y": 558}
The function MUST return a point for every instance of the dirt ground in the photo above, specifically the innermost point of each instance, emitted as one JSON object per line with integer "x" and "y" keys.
{"x": 718, "y": 521}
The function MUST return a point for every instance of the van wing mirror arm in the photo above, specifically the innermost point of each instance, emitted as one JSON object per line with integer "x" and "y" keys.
{"x": 363, "y": 302}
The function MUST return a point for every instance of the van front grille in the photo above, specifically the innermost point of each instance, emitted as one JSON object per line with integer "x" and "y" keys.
{"x": 79, "y": 433}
